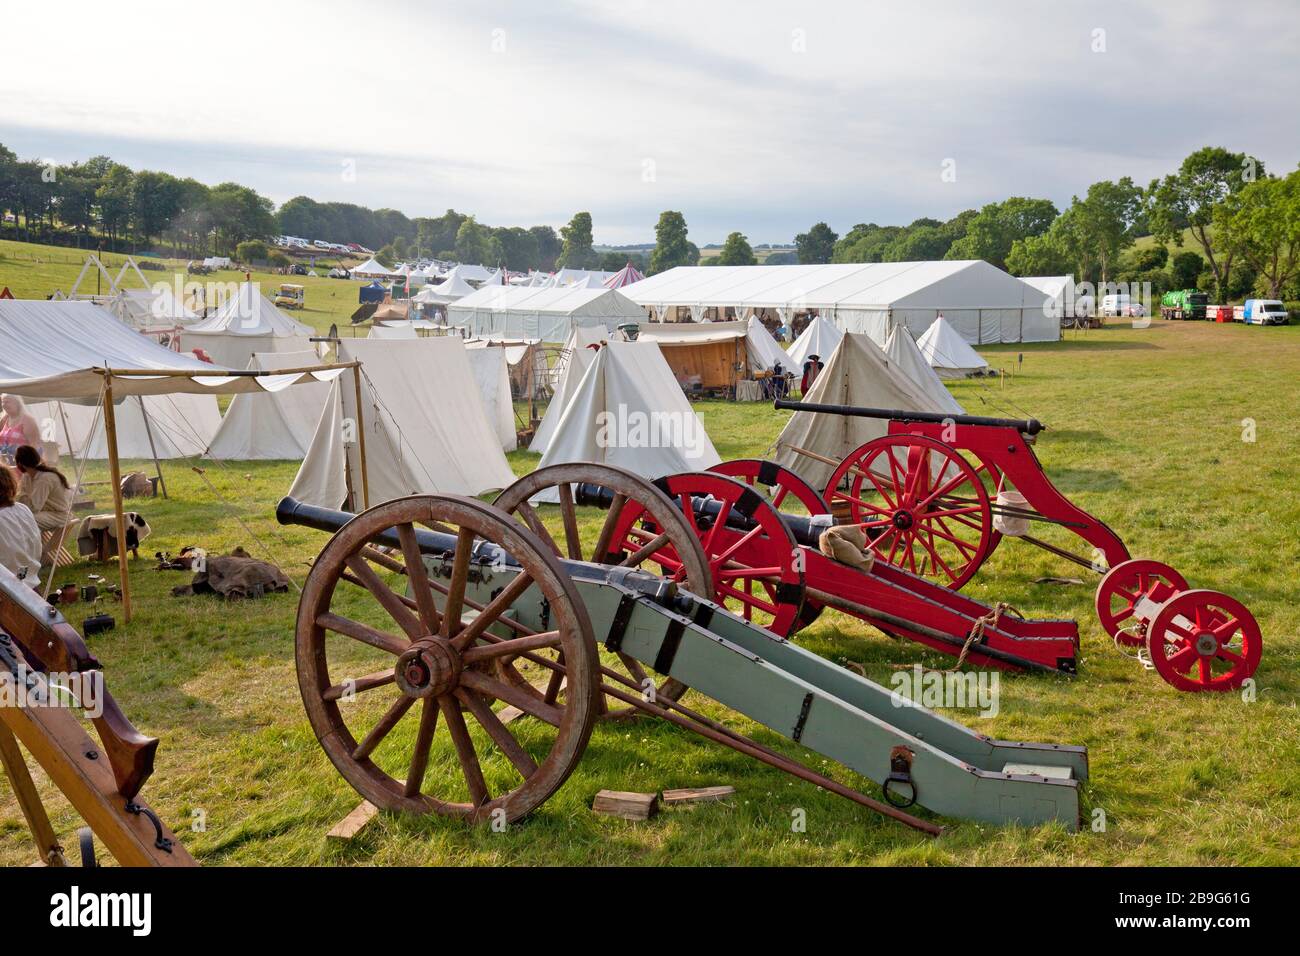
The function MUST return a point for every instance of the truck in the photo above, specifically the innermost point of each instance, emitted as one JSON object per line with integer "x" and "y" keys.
{"x": 1264, "y": 312}
{"x": 1183, "y": 304}
{"x": 290, "y": 296}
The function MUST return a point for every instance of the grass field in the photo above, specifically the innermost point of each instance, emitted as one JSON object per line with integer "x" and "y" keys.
{"x": 1146, "y": 431}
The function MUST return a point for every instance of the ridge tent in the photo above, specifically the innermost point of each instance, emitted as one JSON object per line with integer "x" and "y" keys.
{"x": 948, "y": 353}
{"x": 247, "y": 322}
{"x": 857, "y": 373}
{"x": 820, "y": 338}
{"x": 902, "y": 350}
{"x": 274, "y": 426}
{"x": 573, "y": 364}
{"x": 492, "y": 375}
{"x": 546, "y": 314}
{"x": 425, "y": 428}
{"x": 765, "y": 352}
{"x": 628, "y": 411}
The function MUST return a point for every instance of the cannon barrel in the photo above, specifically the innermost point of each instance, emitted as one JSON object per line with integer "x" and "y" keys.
{"x": 1028, "y": 426}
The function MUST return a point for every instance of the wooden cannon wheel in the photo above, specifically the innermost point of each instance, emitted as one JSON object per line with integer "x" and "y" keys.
{"x": 438, "y": 667}
{"x": 785, "y": 490}
{"x": 632, "y": 498}
{"x": 756, "y": 573}
{"x": 925, "y": 507}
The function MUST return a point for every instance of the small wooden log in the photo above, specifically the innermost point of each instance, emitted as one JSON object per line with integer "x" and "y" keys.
{"x": 626, "y": 805}
{"x": 697, "y": 795}
{"x": 350, "y": 827}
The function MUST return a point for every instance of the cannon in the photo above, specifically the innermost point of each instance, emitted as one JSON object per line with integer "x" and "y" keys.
{"x": 937, "y": 494}
{"x": 40, "y": 654}
{"x": 507, "y": 640}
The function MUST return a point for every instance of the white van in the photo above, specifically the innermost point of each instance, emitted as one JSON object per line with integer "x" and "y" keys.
{"x": 1116, "y": 304}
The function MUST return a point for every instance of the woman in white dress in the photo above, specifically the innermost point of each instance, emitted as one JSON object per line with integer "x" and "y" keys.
{"x": 20, "y": 538}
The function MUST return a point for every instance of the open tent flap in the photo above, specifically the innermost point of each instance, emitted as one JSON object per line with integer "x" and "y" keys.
{"x": 857, "y": 373}
{"x": 271, "y": 426}
{"x": 629, "y": 411}
{"x": 426, "y": 429}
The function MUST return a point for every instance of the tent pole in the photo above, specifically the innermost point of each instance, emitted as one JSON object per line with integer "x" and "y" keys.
{"x": 361, "y": 438}
{"x": 153, "y": 449}
{"x": 115, "y": 474}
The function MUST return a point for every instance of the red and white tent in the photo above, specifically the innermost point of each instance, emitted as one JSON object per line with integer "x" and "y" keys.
{"x": 624, "y": 276}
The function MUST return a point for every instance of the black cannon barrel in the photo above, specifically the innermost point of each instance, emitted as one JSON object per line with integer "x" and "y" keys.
{"x": 1029, "y": 426}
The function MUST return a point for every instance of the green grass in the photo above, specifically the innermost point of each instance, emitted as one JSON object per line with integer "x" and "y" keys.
{"x": 1146, "y": 433}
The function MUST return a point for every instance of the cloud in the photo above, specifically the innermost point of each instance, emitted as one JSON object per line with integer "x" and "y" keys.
{"x": 760, "y": 116}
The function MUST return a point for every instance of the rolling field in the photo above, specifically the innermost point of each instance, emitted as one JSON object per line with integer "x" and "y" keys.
{"x": 1182, "y": 437}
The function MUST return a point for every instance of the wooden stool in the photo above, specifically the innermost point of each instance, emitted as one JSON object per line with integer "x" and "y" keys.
{"x": 60, "y": 557}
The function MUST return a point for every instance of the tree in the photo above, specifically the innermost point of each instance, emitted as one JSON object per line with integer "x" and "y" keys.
{"x": 781, "y": 259}
{"x": 1185, "y": 270}
{"x": 548, "y": 247}
{"x": 672, "y": 248}
{"x": 75, "y": 197}
{"x": 252, "y": 250}
{"x": 817, "y": 245}
{"x": 577, "y": 253}
{"x": 991, "y": 233}
{"x": 1187, "y": 200}
{"x": 238, "y": 213}
{"x": 473, "y": 243}
{"x": 1261, "y": 224}
{"x": 1102, "y": 222}
{"x": 1039, "y": 256}
{"x": 518, "y": 248}
{"x": 113, "y": 199}
{"x": 736, "y": 251}
{"x": 919, "y": 244}
{"x": 155, "y": 202}
{"x": 866, "y": 242}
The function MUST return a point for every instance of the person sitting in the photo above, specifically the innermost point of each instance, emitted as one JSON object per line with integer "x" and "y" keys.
{"x": 20, "y": 538}
{"x": 43, "y": 489}
{"x": 17, "y": 426}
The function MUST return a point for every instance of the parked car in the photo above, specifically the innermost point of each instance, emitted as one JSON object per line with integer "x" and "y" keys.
{"x": 1264, "y": 312}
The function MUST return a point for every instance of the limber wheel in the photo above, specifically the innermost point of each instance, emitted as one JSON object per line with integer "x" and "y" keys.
{"x": 785, "y": 491}
{"x": 1121, "y": 588}
{"x": 922, "y": 505}
{"x": 622, "y": 493}
{"x": 751, "y": 553}
{"x": 401, "y": 694}
{"x": 1204, "y": 640}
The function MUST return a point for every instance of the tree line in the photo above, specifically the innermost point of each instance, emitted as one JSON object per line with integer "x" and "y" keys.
{"x": 1242, "y": 225}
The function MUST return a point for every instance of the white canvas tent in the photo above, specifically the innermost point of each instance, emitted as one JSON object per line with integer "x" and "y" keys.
{"x": 858, "y": 373}
{"x": 273, "y": 426}
{"x": 548, "y": 315}
{"x": 573, "y": 364}
{"x": 984, "y": 303}
{"x": 819, "y": 338}
{"x": 765, "y": 352}
{"x": 901, "y": 349}
{"x": 247, "y": 322}
{"x": 449, "y": 290}
{"x": 372, "y": 268}
{"x": 425, "y": 426}
{"x": 948, "y": 353}
{"x": 161, "y": 427}
{"x": 629, "y": 411}
{"x": 492, "y": 375}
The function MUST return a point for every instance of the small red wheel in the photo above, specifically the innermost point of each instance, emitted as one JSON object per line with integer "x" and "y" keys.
{"x": 924, "y": 506}
{"x": 1123, "y": 585}
{"x": 784, "y": 489}
{"x": 1204, "y": 640}
{"x": 751, "y": 553}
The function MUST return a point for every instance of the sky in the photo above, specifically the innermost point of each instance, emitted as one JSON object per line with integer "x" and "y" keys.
{"x": 763, "y": 117}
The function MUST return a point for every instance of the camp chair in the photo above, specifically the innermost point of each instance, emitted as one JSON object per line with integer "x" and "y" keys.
{"x": 54, "y": 552}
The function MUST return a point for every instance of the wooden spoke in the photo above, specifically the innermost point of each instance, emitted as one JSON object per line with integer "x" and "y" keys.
{"x": 512, "y": 695}
{"x": 571, "y": 539}
{"x": 645, "y": 551}
{"x": 362, "y": 632}
{"x": 419, "y": 576}
{"x": 423, "y": 741}
{"x": 492, "y": 612}
{"x": 385, "y": 595}
{"x": 601, "y": 551}
{"x": 536, "y": 525}
{"x": 510, "y": 648}
{"x": 456, "y": 586}
{"x": 478, "y": 791}
{"x": 359, "y": 685}
{"x": 498, "y": 731}
{"x": 382, "y": 729}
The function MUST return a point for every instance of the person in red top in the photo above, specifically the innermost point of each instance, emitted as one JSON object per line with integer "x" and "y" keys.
{"x": 811, "y": 369}
{"x": 18, "y": 427}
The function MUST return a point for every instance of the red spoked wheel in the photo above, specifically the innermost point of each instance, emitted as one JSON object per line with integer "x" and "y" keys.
{"x": 1121, "y": 589}
{"x": 1204, "y": 640}
{"x": 751, "y": 553}
{"x": 785, "y": 490}
{"x": 924, "y": 506}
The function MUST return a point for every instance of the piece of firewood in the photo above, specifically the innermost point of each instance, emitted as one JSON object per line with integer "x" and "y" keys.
{"x": 627, "y": 805}
{"x": 697, "y": 794}
{"x": 351, "y": 826}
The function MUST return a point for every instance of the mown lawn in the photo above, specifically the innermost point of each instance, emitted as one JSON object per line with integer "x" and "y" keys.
{"x": 1146, "y": 431}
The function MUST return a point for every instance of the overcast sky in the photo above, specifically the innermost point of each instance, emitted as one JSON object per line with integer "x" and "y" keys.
{"x": 758, "y": 116}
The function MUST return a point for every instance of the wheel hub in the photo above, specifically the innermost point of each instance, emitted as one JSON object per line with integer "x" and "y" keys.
{"x": 1207, "y": 645}
{"x": 903, "y": 519}
{"x": 430, "y": 668}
